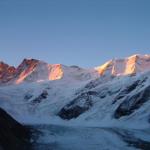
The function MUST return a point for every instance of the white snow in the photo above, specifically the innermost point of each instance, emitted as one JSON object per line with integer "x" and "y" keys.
{"x": 17, "y": 99}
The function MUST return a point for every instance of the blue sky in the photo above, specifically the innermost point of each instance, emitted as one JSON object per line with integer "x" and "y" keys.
{"x": 73, "y": 32}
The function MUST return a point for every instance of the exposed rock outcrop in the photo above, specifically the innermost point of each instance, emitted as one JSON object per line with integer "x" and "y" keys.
{"x": 130, "y": 104}
{"x": 78, "y": 106}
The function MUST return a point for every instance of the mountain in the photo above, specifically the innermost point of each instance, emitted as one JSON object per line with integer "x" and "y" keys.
{"x": 67, "y": 105}
{"x": 32, "y": 70}
{"x": 131, "y": 65}
{"x": 116, "y": 93}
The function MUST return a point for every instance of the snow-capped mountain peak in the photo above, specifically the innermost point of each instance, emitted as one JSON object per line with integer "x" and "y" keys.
{"x": 33, "y": 70}
{"x": 130, "y": 65}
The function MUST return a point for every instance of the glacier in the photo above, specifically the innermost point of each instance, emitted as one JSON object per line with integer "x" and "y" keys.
{"x": 110, "y": 101}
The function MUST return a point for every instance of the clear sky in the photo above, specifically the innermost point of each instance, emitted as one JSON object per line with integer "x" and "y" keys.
{"x": 73, "y": 32}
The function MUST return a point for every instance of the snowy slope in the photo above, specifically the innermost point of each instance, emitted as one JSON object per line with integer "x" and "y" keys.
{"x": 80, "y": 96}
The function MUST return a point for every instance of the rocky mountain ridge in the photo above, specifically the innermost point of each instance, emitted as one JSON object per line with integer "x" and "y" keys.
{"x": 32, "y": 70}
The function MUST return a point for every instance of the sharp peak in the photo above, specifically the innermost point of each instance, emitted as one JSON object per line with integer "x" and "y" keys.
{"x": 33, "y": 60}
{"x": 30, "y": 59}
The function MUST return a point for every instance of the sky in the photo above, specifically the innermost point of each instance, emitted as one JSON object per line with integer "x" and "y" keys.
{"x": 73, "y": 32}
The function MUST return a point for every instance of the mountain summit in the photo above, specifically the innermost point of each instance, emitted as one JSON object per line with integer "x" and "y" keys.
{"x": 130, "y": 65}
{"x": 32, "y": 70}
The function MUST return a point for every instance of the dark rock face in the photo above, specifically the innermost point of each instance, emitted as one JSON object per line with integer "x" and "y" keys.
{"x": 42, "y": 96}
{"x": 92, "y": 84}
{"x": 13, "y": 135}
{"x": 130, "y": 104}
{"x": 28, "y": 96}
{"x": 127, "y": 90}
{"x": 78, "y": 106}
